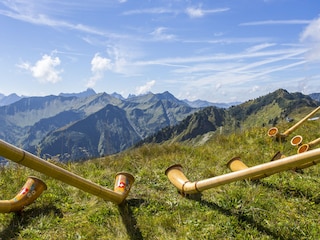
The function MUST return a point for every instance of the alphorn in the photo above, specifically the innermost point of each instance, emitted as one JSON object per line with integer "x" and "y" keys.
{"x": 274, "y": 132}
{"x": 185, "y": 187}
{"x": 122, "y": 185}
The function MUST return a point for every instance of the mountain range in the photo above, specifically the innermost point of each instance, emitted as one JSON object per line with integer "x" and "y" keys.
{"x": 70, "y": 126}
{"x": 77, "y": 126}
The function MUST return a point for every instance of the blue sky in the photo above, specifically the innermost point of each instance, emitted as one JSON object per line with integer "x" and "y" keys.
{"x": 220, "y": 51}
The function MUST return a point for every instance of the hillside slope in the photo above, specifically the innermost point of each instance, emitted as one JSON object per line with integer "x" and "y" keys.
{"x": 269, "y": 110}
{"x": 99, "y": 134}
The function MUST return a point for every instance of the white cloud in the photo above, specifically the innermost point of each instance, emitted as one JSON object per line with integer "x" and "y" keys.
{"x": 311, "y": 37}
{"x": 197, "y": 12}
{"x": 45, "y": 69}
{"x": 254, "y": 88}
{"x": 145, "y": 88}
{"x": 194, "y": 12}
{"x": 312, "y": 31}
{"x": 98, "y": 66}
{"x": 159, "y": 34}
{"x": 118, "y": 60}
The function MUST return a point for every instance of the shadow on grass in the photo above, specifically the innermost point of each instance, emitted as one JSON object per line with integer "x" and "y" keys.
{"x": 241, "y": 217}
{"x": 128, "y": 218}
{"x": 22, "y": 219}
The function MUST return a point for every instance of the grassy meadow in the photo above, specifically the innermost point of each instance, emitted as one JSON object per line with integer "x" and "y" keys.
{"x": 285, "y": 205}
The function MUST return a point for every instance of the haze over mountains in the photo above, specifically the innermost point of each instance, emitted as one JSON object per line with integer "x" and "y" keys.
{"x": 7, "y": 100}
{"x": 76, "y": 126}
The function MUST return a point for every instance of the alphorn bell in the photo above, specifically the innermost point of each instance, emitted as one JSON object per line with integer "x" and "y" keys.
{"x": 236, "y": 164}
{"x": 296, "y": 140}
{"x": 30, "y": 191}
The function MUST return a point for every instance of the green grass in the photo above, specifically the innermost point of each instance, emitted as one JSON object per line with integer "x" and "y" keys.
{"x": 282, "y": 206}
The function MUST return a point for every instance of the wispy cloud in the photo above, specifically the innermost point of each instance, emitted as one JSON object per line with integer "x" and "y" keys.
{"x": 253, "y": 68}
{"x": 193, "y": 12}
{"x": 45, "y": 70}
{"x": 275, "y": 22}
{"x": 223, "y": 57}
{"x": 149, "y": 11}
{"x": 197, "y": 12}
{"x": 311, "y": 37}
{"x": 44, "y": 20}
{"x": 121, "y": 58}
{"x": 260, "y": 47}
{"x": 233, "y": 85}
{"x": 40, "y": 14}
{"x": 160, "y": 34}
{"x": 236, "y": 40}
{"x": 267, "y": 61}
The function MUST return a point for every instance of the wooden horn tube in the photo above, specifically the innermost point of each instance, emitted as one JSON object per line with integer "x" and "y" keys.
{"x": 180, "y": 181}
{"x": 29, "y": 160}
{"x": 279, "y": 155}
{"x": 30, "y": 191}
{"x": 295, "y": 126}
{"x": 273, "y": 132}
{"x": 308, "y": 164}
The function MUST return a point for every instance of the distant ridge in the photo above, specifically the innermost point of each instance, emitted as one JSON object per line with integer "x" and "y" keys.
{"x": 201, "y": 104}
{"x": 315, "y": 96}
{"x": 89, "y": 92}
{"x": 7, "y": 100}
{"x": 117, "y": 95}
